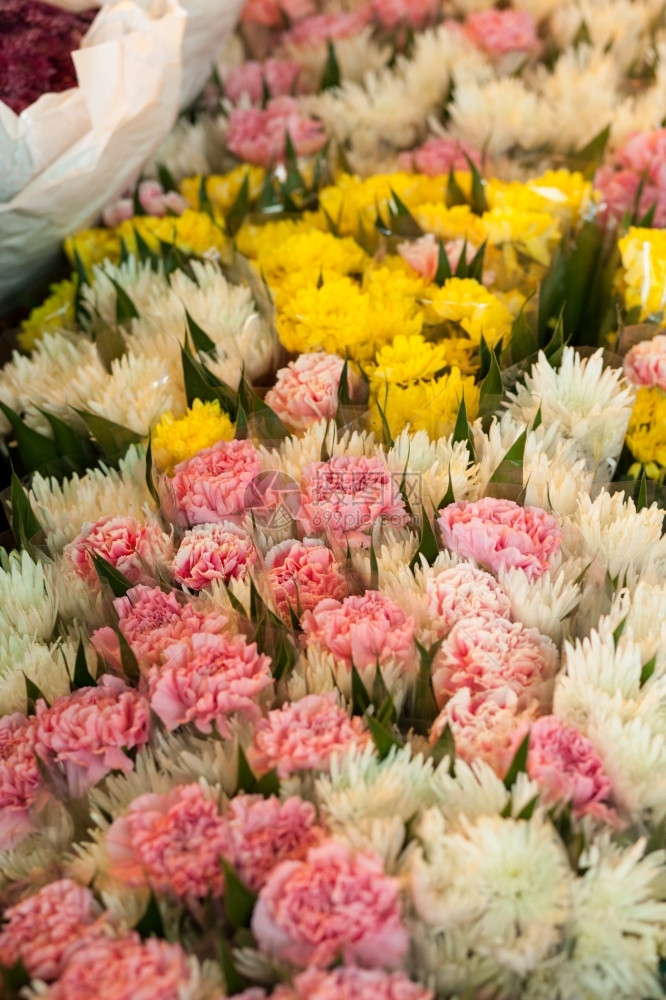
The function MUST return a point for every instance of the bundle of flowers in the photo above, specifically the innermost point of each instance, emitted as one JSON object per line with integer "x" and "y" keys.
{"x": 332, "y": 648}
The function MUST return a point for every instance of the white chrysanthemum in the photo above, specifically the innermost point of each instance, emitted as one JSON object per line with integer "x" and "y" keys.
{"x": 539, "y": 9}
{"x": 357, "y": 55}
{"x": 426, "y": 466}
{"x": 506, "y": 882}
{"x": 62, "y": 508}
{"x": 77, "y": 603}
{"x": 320, "y": 439}
{"x": 618, "y": 535}
{"x": 554, "y": 471}
{"x": 491, "y": 446}
{"x": 369, "y": 801}
{"x": 186, "y": 757}
{"x": 398, "y": 679}
{"x": 634, "y": 758}
{"x": 185, "y": 151}
{"x": 474, "y": 790}
{"x": 597, "y": 672}
{"x": 310, "y": 675}
{"x": 580, "y": 93}
{"x": 643, "y": 612}
{"x": 138, "y": 279}
{"x": 500, "y": 115}
{"x": 135, "y": 394}
{"x": 615, "y": 26}
{"x": 615, "y": 937}
{"x": 43, "y": 379}
{"x": 28, "y": 606}
{"x": 38, "y": 857}
{"x": 45, "y": 666}
{"x": 591, "y": 404}
{"x": 542, "y": 603}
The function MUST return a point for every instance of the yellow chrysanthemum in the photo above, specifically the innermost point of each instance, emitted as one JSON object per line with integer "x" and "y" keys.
{"x": 533, "y": 233}
{"x": 567, "y": 192}
{"x": 430, "y": 405}
{"x": 352, "y": 203}
{"x": 408, "y": 359}
{"x": 311, "y": 255}
{"x": 644, "y": 270}
{"x": 55, "y": 313}
{"x": 467, "y": 303}
{"x": 92, "y": 247}
{"x": 252, "y": 237}
{"x": 646, "y": 435}
{"x": 174, "y": 440}
{"x": 455, "y": 223}
{"x": 338, "y": 317}
{"x": 223, "y": 189}
{"x": 393, "y": 280}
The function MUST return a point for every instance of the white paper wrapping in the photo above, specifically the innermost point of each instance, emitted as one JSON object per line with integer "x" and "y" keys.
{"x": 69, "y": 154}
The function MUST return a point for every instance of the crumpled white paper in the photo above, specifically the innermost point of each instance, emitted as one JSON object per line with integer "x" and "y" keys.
{"x": 70, "y": 154}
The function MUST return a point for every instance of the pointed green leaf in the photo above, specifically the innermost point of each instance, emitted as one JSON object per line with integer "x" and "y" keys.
{"x": 150, "y": 482}
{"x": 165, "y": 178}
{"x": 449, "y": 496}
{"x": 454, "y": 193}
{"x": 401, "y": 221}
{"x": 590, "y": 156}
{"x": 204, "y": 201}
{"x": 423, "y": 706}
{"x": 475, "y": 266}
{"x": 511, "y": 463}
{"x": 70, "y": 443}
{"x": 647, "y": 669}
{"x": 463, "y": 432}
{"x": 428, "y": 547}
{"x": 247, "y": 781}
{"x": 518, "y": 764}
{"x": 238, "y": 899}
{"x": 265, "y": 421}
{"x": 382, "y": 737}
{"x": 387, "y": 437}
{"x": 112, "y": 438}
{"x": 492, "y": 387}
{"x": 360, "y": 697}
{"x": 619, "y": 629}
{"x": 331, "y": 77}
{"x": 107, "y": 573}
{"x": 33, "y": 694}
{"x": 126, "y": 311}
{"x": 268, "y": 784}
{"x": 234, "y": 982}
{"x": 36, "y": 450}
{"x": 641, "y": 502}
{"x": 13, "y": 978}
{"x": 200, "y": 339}
{"x": 445, "y": 746}
{"x": 82, "y": 677}
{"x": 374, "y": 568}
{"x": 24, "y": 522}
{"x": 478, "y": 199}
{"x": 522, "y": 339}
{"x": 528, "y": 810}
{"x": 443, "y": 272}
{"x": 240, "y": 208}
{"x": 151, "y": 924}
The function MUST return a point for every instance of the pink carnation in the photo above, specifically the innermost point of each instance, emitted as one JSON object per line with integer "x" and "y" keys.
{"x": 169, "y": 843}
{"x": 300, "y": 574}
{"x": 151, "y": 620}
{"x": 365, "y": 631}
{"x": 43, "y": 930}
{"x": 20, "y": 778}
{"x": 277, "y": 76}
{"x": 484, "y": 725}
{"x": 567, "y": 768}
{"x": 152, "y": 197}
{"x": 349, "y": 982}
{"x": 211, "y": 486}
{"x": 423, "y": 255}
{"x": 484, "y": 654}
{"x": 346, "y": 496}
{"x": 277, "y": 13}
{"x": 261, "y": 833}
{"x": 210, "y": 552}
{"x": 307, "y": 389}
{"x": 135, "y": 549}
{"x": 645, "y": 153}
{"x": 320, "y": 28}
{"x": 124, "y": 968}
{"x": 393, "y": 14}
{"x": 333, "y": 903}
{"x": 438, "y": 156}
{"x": 259, "y": 135}
{"x": 463, "y": 591}
{"x": 500, "y": 31}
{"x": 645, "y": 364}
{"x": 209, "y": 680}
{"x": 501, "y": 535}
{"x": 303, "y": 736}
{"x": 88, "y": 732}
{"x": 635, "y": 179}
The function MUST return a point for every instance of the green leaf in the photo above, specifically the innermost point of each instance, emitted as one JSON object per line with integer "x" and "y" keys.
{"x": 239, "y": 900}
{"x": 522, "y": 339}
{"x": 294, "y": 181}
{"x": 201, "y": 384}
{"x": 641, "y": 502}
{"x": 475, "y": 266}
{"x": 646, "y": 221}
{"x": 478, "y": 199}
{"x": 205, "y": 202}
{"x": 33, "y": 694}
{"x": 24, "y": 522}
{"x": 70, "y": 443}
{"x": 382, "y": 737}
{"x": 126, "y": 311}
{"x": 82, "y": 677}
{"x": 647, "y": 669}
{"x": 360, "y": 697}
{"x": 454, "y": 193}
{"x": 13, "y": 978}
{"x": 150, "y": 482}
{"x": 246, "y": 781}
{"x": 36, "y": 450}
{"x": 590, "y": 156}
{"x": 331, "y": 77}
{"x": 528, "y": 810}
{"x": 462, "y": 430}
{"x": 165, "y": 178}
{"x": 234, "y": 982}
{"x": 401, "y": 221}
{"x": 581, "y": 267}
{"x": 387, "y": 437}
{"x": 449, "y": 496}
{"x": 374, "y": 569}
{"x": 107, "y": 573}
{"x": 511, "y": 463}
{"x": 112, "y": 438}
{"x": 619, "y": 629}
{"x": 445, "y": 746}
{"x": 423, "y": 706}
{"x": 268, "y": 784}
{"x": 200, "y": 339}
{"x": 151, "y": 923}
{"x": 492, "y": 387}
{"x": 428, "y": 547}
{"x": 443, "y": 272}
{"x": 555, "y": 346}
{"x": 240, "y": 208}
{"x": 266, "y": 423}
{"x": 518, "y": 764}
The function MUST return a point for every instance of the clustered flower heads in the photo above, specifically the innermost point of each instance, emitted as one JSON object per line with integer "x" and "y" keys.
{"x": 347, "y": 679}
